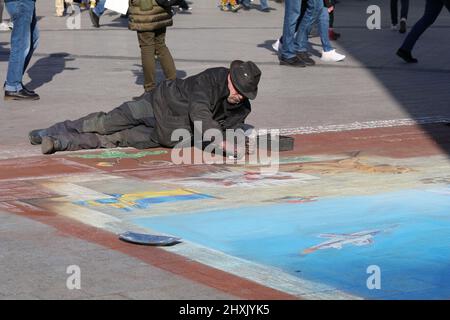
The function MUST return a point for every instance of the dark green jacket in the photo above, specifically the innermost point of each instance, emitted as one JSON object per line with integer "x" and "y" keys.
{"x": 146, "y": 15}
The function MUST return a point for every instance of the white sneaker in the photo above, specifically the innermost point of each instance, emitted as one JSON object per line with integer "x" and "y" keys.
{"x": 4, "y": 26}
{"x": 276, "y": 45}
{"x": 332, "y": 56}
{"x": 10, "y": 25}
{"x": 394, "y": 27}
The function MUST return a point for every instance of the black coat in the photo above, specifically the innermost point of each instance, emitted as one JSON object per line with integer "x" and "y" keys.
{"x": 203, "y": 97}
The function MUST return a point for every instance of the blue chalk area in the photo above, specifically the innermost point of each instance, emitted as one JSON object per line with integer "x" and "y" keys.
{"x": 412, "y": 249}
{"x": 146, "y": 203}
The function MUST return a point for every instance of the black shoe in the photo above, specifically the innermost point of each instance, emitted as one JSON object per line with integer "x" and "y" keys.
{"x": 406, "y": 55}
{"x": 36, "y": 136}
{"x": 306, "y": 59}
{"x": 292, "y": 62}
{"x": 265, "y": 10}
{"x": 402, "y": 26}
{"x": 50, "y": 145}
{"x": 28, "y": 90}
{"x": 21, "y": 95}
{"x": 94, "y": 19}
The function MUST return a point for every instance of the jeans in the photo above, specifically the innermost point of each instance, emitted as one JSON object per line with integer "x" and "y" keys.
{"x": 292, "y": 10}
{"x": 394, "y": 10}
{"x": 99, "y": 8}
{"x": 316, "y": 11}
{"x": 432, "y": 10}
{"x": 24, "y": 40}
{"x": 324, "y": 24}
{"x": 264, "y": 4}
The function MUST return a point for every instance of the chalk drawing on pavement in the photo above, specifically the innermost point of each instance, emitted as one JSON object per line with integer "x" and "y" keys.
{"x": 105, "y": 164}
{"x": 244, "y": 179}
{"x": 294, "y": 199}
{"x": 113, "y": 154}
{"x": 143, "y": 200}
{"x": 339, "y": 240}
{"x": 346, "y": 165}
{"x": 437, "y": 180}
{"x": 155, "y": 164}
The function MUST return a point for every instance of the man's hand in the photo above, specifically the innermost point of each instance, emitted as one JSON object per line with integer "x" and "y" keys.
{"x": 330, "y": 9}
{"x": 230, "y": 150}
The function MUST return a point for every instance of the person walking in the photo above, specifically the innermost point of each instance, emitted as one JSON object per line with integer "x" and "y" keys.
{"x": 24, "y": 41}
{"x": 286, "y": 49}
{"x": 96, "y": 12}
{"x": 60, "y": 6}
{"x": 432, "y": 10}
{"x": 332, "y": 34}
{"x": 317, "y": 11}
{"x": 150, "y": 21}
{"x": 403, "y": 15}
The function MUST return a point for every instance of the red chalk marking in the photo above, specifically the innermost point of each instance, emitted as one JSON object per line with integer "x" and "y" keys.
{"x": 28, "y": 168}
{"x": 22, "y": 190}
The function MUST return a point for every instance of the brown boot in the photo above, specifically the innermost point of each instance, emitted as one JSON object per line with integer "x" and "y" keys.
{"x": 50, "y": 145}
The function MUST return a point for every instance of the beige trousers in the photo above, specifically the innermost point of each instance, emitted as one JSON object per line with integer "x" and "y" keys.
{"x": 59, "y": 6}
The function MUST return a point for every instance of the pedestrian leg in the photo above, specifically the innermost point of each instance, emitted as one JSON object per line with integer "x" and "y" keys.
{"x": 164, "y": 55}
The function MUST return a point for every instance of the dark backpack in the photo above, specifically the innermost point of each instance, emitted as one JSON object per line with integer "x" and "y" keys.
{"x": 168, "y": 3}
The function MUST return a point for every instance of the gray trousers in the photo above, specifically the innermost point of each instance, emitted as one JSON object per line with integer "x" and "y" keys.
{"x": 130, "y": 125}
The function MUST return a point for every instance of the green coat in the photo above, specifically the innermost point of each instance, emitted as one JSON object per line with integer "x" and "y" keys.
{"x": 146, "y": 15}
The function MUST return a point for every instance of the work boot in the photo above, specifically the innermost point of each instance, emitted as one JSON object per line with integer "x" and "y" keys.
{"x": 36, "y": 136}
{"x": 50, "y": 145}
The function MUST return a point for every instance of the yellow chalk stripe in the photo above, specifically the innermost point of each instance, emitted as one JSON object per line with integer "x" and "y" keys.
{"x": 131, "y": 197}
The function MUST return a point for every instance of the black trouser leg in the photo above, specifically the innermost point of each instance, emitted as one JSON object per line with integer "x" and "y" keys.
{"x": 137, "y": 137}
{"x": 432, "y": 10}
{"x": 394, "y": 12}
{"x": 126, "y": 116}
{"x": 405, "y": 9}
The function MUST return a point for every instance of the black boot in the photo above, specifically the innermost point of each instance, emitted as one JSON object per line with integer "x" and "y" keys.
{"x": 406, "y": 55}
{"x": 21, "y": 95}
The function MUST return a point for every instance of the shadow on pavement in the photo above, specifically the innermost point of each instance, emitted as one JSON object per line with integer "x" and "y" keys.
{"x": 423, "y": 89}
{"x": 45, "y": 69}
{"x": 138, "y": 73}
{"x": 118, "y": 22}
